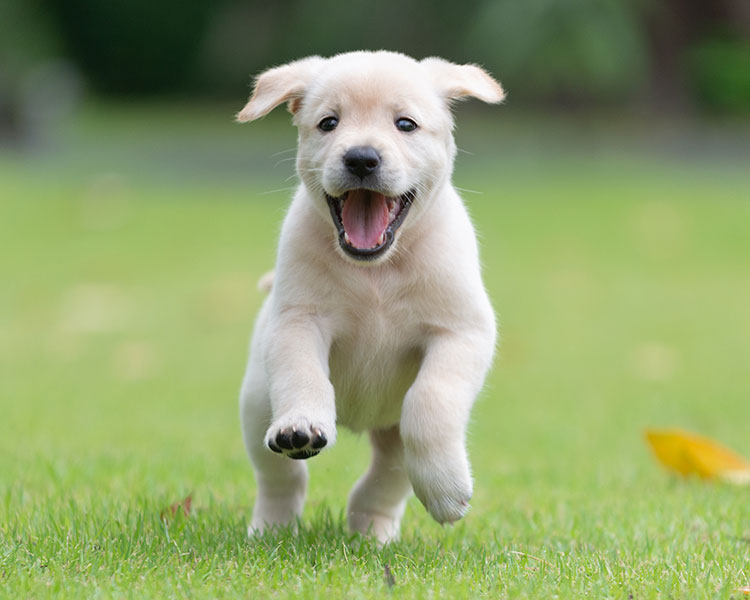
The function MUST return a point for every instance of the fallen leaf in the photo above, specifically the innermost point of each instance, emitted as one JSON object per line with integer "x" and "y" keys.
{"x": 690, "y": 454}
{"x": 185, "y": 506}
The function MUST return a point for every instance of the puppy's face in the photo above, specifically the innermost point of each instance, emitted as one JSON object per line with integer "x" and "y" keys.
{"x": 375, "y": 138}
{"x": 374, "y": 141}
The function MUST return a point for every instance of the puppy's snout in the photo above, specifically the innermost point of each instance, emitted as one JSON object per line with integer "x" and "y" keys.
{"x": 362, "y": 161}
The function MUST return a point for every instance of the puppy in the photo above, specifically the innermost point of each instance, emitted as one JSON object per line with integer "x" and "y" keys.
{"x": 377, "y": 318}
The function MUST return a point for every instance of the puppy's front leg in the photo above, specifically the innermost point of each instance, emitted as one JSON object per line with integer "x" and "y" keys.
{"x": 434, "y": 419}
{"x": 302, "y": 397}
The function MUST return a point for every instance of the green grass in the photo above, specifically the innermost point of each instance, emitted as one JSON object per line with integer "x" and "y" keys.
{"x": 128, "y": 272}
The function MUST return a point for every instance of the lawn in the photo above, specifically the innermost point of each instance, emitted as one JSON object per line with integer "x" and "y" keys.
{"x": 617, "y": 256}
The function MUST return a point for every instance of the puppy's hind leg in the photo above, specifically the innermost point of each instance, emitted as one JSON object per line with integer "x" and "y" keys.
{"x": 378, "y": 499}
{"x": 281, "y": 483}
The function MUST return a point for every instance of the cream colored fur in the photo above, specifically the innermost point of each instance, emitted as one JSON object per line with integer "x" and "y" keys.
{"x": 398, "y": 346}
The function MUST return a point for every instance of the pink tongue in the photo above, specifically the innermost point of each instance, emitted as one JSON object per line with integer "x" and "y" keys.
{"x": 365, "y": 216}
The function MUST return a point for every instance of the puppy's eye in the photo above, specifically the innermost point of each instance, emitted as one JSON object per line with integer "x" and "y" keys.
{"x": 328, "y": 124}
{"x": 404, "y": 124}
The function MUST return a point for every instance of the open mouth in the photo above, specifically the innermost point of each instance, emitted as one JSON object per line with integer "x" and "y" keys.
{"x": 367, "y": 221}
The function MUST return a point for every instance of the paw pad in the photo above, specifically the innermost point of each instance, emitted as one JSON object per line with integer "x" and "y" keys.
{"x": 299, "y": 443}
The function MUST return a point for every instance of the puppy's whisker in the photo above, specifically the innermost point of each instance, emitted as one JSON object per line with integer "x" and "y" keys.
{"x": 468, "y": 191}
{"x": 278, "y": 190}
{"x": 284, "y": 160}
{"x": 280, "y": 152}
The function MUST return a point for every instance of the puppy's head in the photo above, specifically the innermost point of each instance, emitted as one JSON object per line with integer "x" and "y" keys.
{"x": 375, "y": 137}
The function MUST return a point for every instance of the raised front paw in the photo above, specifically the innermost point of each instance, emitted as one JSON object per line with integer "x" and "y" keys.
{"x": 441, "y": 481}
{"x": 299, "y": 439}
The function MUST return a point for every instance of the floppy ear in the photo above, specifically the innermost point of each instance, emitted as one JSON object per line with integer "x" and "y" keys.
{"x": 461, "y": 81}
{"x": 286, "y": 83}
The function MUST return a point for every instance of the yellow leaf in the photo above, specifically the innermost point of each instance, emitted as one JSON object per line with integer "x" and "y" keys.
{"x": 690, "y": 454}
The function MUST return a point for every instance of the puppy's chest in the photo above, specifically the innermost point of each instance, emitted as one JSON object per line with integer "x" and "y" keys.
{"x": 373, "y": 361}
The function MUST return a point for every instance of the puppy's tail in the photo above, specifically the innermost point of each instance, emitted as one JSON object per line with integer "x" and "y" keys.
{"x": 265, "y": 283}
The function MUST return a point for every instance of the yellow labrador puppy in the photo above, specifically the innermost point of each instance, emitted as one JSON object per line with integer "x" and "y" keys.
{"x": 377, "y": 318}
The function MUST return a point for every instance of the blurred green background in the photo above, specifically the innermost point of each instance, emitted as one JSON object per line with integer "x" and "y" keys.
{"x": 563, "y": 53}
{"x": 611, "y": 194}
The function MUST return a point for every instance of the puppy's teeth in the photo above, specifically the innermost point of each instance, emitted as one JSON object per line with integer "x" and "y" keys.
{"x": 346, "y": 238}
{"x": 381, "y": 239}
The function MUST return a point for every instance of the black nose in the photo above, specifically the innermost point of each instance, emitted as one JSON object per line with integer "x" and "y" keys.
{"x": 362, "y": 160}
